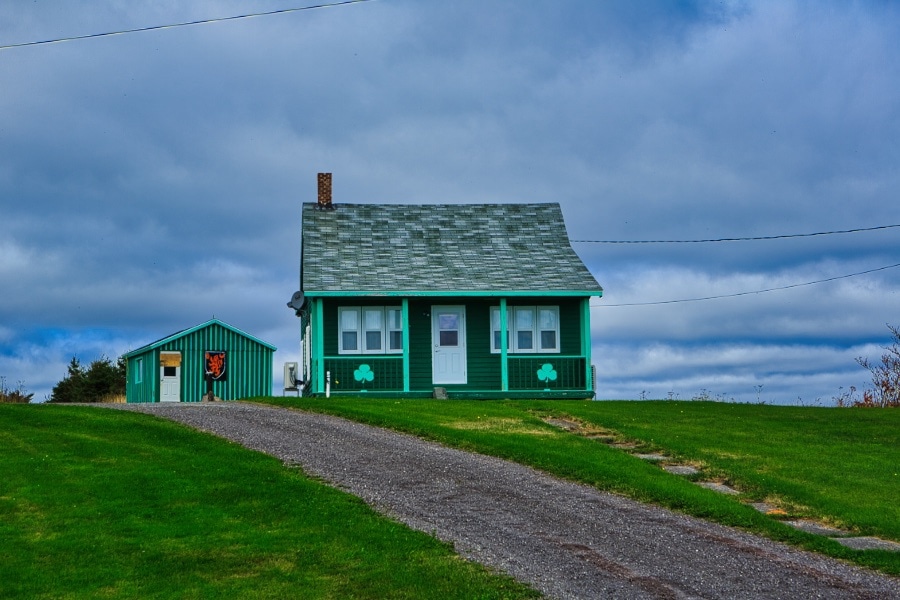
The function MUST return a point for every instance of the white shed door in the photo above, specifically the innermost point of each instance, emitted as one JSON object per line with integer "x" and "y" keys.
{"x": 170, "y": 381}
{"x": 448, "y": 335}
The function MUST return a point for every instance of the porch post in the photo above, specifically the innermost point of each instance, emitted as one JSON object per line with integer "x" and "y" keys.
{"x": 504, "y": 367}
{"x": 319, "y": 344}
{"x": 404, "y": 315}
{"x": 586, "y": 340}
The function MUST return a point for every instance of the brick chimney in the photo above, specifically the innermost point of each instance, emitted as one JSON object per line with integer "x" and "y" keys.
{"x": 325, "y": 192}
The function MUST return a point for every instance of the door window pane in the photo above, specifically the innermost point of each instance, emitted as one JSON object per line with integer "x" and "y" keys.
{"x": 448, "y": 321}
{"x": 449, "y": 338}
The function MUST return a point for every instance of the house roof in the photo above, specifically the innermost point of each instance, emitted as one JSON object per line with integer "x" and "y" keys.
{"x": 184, "y": 332}
{"x": 436, "y": 249}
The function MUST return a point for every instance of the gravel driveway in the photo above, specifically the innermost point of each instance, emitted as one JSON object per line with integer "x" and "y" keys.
{"x": 564, "y": 539}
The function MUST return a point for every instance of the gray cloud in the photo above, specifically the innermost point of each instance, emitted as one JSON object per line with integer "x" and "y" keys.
{"x": 148, "y": 181}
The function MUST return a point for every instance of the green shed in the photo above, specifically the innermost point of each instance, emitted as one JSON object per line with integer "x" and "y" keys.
{"x": 478, "y": 300}
{"x": 187, "y": 365}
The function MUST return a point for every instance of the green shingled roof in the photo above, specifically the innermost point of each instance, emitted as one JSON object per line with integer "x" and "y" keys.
{"x": 440, "y": 248}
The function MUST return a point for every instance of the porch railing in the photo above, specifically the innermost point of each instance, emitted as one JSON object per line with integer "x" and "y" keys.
{"x": 365, "y": 373}
{"x": 548, "y": 372}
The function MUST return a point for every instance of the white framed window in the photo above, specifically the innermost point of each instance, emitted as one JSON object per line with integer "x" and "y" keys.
{"x": 139, "y": 370}
{"x": 394, "y": 329}
{"x": 373, "y": 330}
{"x": 370, "y": 330}
{"x": 348, "y": 324}
{"x": 530, "y": 329}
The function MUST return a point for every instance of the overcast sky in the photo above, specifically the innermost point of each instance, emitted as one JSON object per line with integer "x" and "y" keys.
{"x": 153, "y": 180}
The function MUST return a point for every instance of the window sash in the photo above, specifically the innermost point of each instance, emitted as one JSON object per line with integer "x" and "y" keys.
{"x": 529, "y": 329}
{"x": 370, "y": 330}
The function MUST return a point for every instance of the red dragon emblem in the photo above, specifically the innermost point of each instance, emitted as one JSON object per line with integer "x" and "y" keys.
{"x": 214, "y": 365}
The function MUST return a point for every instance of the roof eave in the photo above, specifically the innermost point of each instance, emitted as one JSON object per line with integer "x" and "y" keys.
{"x": 446, "y": 293}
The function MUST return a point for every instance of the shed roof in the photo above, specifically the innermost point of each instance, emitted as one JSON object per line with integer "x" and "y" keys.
{"x": 436, "y": 249}
{"x": 190, "y": 330}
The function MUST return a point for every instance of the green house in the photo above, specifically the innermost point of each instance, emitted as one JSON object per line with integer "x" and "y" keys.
{"x": 465, "y": 300}
{"x": 187, "y": 365}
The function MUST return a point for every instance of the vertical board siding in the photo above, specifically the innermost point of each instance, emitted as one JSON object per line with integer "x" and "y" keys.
{"x": 249, "y": 366}
{"x": 146, "y": 390}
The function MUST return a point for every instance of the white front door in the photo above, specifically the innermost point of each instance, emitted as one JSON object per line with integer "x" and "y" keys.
{"x": 170, "y": 377}
{"x": 448, "y": 336}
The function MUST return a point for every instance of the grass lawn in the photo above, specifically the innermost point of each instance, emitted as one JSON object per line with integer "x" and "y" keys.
{"x": 839, "y": 466}
{"x": 100, "y": 503}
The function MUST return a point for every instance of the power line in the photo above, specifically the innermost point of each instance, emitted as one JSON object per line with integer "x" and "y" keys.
{"x": 184, "y": 24}
{"x": 774, "y": 289}
{"x": 737, "y": 239}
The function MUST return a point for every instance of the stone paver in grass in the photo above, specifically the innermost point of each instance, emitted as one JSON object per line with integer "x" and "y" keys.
{"x": 817, "y": 528}
{"x": 868, "y": 543}
{"x": 768, "y": 509}
{"x": 603, "y": 439}
{"x": 681, "y": 469}
{"x": 718, "y": 487}
{"x": 652, "y": 457}
{"x": 563, "y": 424}
{"x": 624, "y": 445}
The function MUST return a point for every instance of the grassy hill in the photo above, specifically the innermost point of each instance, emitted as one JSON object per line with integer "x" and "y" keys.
{"x": 835, "y": 466}
{"x": 100, "y": 503}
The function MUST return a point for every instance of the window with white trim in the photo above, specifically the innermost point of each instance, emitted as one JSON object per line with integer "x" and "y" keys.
{"x": 530, "y": 329}
{"x": 370, "y": 330}
{"x": 394, "y": 329}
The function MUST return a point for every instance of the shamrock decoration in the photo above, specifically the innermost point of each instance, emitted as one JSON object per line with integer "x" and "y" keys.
{"x": 546, "y": 373}
{"x": 363, "y": 374}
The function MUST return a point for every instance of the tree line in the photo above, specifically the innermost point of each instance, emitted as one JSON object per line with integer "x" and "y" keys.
{"x": 101, "y": 381}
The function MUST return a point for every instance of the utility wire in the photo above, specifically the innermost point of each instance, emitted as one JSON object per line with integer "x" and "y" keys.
{"x": 774, "y": 289}
{"x": 738, "y": 239}
{"x": 184, "y": 24}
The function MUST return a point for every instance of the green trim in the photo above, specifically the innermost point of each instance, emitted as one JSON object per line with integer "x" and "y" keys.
{"x": 452, "y": 293}
{"x": 174, "y": 336}
{"x": 474, "y": 394}
{"x": 504, "y": 342}
{"x": 404, "y": 312}
{"x": 586, "y": 341}
{"x": 319, "y": 344}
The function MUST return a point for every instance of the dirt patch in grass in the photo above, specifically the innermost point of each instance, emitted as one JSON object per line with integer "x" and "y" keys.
{"x": 500, "y": 425}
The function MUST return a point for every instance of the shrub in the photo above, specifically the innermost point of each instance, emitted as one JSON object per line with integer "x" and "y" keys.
{"x": 13, "y": 396}
{"x": 885, "y": 390}
{"x": 101, "y": 380}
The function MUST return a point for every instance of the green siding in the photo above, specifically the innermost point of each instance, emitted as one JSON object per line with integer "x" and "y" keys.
{"x": 249, "y": 366}
{"x": 483, "y": 367}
